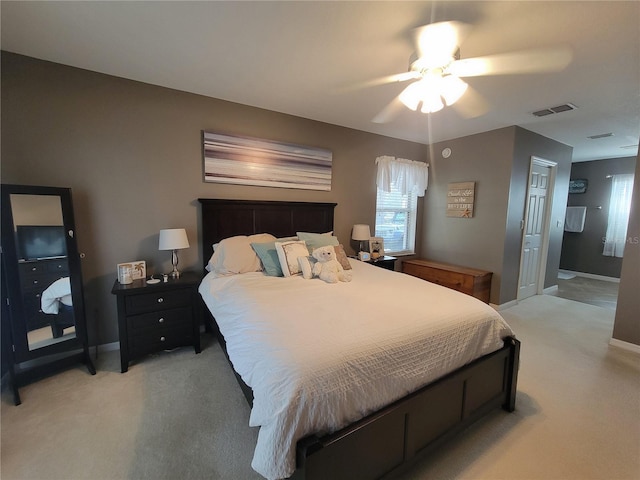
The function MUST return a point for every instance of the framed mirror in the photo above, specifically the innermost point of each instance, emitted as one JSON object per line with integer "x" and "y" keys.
{"x": 44, "y": 288}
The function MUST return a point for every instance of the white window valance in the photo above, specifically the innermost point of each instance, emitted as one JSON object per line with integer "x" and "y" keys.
{"x": 407, "y": 175}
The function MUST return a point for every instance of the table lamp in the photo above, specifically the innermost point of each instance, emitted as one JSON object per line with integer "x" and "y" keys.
{"x": 173, "y": 239}
{"x": 361, "y": 233}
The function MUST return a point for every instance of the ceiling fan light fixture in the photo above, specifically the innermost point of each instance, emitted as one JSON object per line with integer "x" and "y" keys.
{"x": 431, "y": 103}
{"x": 452, "y": 88}
{"x": 426, "y": 91}
{"x": 431, "y": 90}
{"x": 411, "y": 96}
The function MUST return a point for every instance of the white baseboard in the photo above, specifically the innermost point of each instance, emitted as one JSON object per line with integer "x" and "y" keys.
{"x": 632, "y": 347}
{"x": 591, "y": 275}
{"x": 551, "y": 289}
{"x": 505, "y": 305}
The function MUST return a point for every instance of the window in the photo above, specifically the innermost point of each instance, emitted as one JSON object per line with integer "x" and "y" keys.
{"x": 619, "y": 209}
{"x": 396, "y": 221}
{"x": 400, "y": 182}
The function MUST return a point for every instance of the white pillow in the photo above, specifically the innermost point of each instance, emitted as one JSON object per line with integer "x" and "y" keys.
{"x": 306, "y": 266}
{"x": 288, "y": 253}
{"x": 234, "y": 255}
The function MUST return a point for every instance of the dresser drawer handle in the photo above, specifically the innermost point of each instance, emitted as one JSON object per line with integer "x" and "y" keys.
{"x": 35, "y": 282}
{"x": 33, "y": 269}
{"x": 160, "y": 300}
{"x": 161, "y": 320}
{"x": 162, "y": 339}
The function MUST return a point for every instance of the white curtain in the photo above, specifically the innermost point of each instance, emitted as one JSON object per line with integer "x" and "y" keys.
{"x": 408, "y": 176}
{"x": 619, "y": 208}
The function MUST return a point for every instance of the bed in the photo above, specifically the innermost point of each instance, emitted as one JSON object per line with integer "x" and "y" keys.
{"x": 367, "y": 429}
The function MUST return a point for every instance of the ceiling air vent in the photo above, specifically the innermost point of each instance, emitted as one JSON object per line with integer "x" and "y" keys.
{"x": 602, "y": 135}
{"x": 551, "y": 110}
{"x": 543, "y": 113}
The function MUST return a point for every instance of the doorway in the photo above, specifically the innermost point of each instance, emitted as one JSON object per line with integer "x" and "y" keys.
{"x": 535, "y": 239}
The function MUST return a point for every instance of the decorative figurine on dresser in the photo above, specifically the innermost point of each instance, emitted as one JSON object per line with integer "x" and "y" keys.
{"x": 154, "y": 314}
{"x": 43, "y": 315}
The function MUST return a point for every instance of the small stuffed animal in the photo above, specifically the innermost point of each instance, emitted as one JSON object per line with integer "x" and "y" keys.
{"x": 327, "y": 267}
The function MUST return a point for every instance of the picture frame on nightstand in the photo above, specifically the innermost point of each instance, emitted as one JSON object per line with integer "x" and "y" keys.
{"x": 376, "y": 246}
{"x": 137, "y": 270}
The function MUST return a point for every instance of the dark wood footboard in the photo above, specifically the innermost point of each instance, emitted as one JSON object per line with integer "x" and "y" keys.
{"x": 383, "y": 442}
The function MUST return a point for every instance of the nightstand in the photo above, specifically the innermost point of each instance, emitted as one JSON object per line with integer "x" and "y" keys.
{"x": 155, "y": 317}
{"x": 384, "y": 262}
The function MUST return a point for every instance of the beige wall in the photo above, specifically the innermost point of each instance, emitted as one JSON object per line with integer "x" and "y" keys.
{"x": 131, "y": 153}
{"x": 627, "y": 324}
{"x": 473, "y": 242}
{"x": 498, "y": 161}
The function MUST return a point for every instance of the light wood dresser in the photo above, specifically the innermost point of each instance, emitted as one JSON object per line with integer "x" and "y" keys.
{"x": 471, "y": 281}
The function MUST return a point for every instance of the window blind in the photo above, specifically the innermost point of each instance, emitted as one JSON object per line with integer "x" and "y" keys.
{"x": 396, "y": 215}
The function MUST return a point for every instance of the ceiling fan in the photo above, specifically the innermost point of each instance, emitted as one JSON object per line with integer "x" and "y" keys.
{"x": 436, "y": 70}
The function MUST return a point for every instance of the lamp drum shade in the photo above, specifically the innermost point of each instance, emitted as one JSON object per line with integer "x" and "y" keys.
{"x": 361, "y": 232}
{"x": 173, "y": 239}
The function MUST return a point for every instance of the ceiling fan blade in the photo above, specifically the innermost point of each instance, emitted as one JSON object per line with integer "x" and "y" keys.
{"x": 472, "y": 104}
{"x": 397, "y": 78}
{"x": 388, "y": 113}
{"x": 437, "y": 43}
{"x": 528, "y": 61}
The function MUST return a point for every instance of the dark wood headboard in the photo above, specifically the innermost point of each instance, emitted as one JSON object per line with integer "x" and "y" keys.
{"x": 226, "y": 218}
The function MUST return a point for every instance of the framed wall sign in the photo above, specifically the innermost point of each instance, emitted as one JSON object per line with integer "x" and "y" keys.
{"x": 460, "y": 199}
{"x": 578, "y": 185}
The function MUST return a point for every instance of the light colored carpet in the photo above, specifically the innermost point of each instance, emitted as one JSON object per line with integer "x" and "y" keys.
{"x": 181, "y": 415}
{"x": 578, "y": 406}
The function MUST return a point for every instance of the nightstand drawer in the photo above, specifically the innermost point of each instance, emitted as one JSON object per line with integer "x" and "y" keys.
{"x": 159, "y": 319}
{"x": 160, "y": 339}
{"x": 156, "y": 300}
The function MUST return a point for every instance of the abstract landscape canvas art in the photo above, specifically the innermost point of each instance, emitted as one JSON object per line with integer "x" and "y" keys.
{"x": 250, "y": 161}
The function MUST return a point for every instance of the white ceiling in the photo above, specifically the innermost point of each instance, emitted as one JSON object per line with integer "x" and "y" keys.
{"x": 295, "y": 57}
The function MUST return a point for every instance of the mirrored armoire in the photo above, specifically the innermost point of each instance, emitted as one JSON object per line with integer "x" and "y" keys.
{"x": 43, "y": 314}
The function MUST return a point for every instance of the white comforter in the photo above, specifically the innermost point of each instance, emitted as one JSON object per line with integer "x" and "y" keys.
{"x": 319, "y": 356}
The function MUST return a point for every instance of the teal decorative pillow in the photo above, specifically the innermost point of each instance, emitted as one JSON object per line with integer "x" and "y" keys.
{"x": 317, "y": 240}
{"x": 269, "y": 258}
